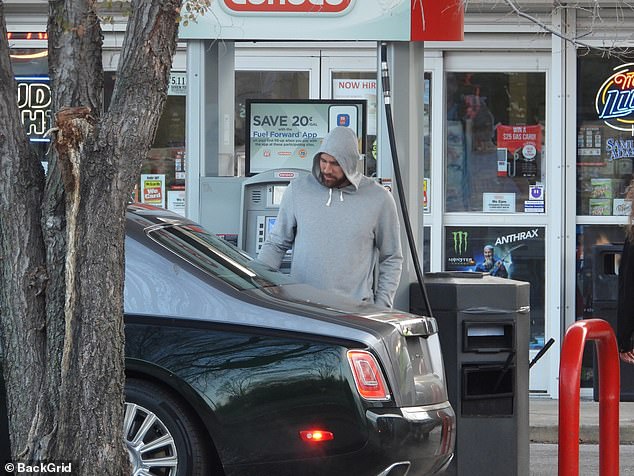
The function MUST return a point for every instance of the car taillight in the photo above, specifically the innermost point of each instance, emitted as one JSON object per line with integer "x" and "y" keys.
{"x": 367, "y": 375}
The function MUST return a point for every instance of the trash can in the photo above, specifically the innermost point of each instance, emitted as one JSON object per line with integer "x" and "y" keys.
{"x": 483, "y": 324}
{"x": 605, "y": 286}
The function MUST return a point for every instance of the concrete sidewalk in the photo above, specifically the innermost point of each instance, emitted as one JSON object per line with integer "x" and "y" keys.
{"x": 544, "y": 421}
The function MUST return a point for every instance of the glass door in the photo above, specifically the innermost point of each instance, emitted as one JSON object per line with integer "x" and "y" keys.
{"x": 500, "y": 182}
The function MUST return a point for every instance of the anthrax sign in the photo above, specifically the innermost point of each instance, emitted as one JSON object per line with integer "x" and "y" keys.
{"x": 465, "y": 245}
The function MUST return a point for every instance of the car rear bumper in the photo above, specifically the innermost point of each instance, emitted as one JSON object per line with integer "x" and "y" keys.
{"x": 420, "y": 439}
{"x": 413, "y": 441}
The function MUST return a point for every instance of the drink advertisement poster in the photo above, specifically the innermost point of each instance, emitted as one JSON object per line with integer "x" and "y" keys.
{"x": 516, "y": 252}
{"x": 288, "y": 134}
{"x": 506, "y": 252}
{"x": 153, "y": 189}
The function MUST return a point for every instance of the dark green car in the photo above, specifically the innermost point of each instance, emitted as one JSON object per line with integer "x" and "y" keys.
{"x": 232, "y": 369}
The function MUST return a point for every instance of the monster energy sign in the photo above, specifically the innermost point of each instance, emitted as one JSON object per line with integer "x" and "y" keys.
{"x": 460, "y": 242}
{"x": 461, "y": 255}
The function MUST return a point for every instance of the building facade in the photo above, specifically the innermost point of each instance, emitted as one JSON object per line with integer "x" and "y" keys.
{"x": 523, "y": 139}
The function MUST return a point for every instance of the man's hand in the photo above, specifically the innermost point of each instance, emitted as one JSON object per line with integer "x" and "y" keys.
{"x": 627, "y": 357}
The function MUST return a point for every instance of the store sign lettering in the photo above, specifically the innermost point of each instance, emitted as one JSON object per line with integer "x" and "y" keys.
{"x": 313, "y": 7}
{"x": 614, "y": 102}
{"x": 34, "y": 102}
{"x": 356, "y": 84}
{"x": 519, "y": 135}
{"x": 618, "y": 148}
{"x": 514, "y": 237}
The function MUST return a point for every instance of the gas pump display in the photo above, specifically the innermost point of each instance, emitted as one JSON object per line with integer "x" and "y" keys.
{"x": 288, "y": 133}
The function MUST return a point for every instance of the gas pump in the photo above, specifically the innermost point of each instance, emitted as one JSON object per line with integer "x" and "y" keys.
{"x": 261, "y": 198}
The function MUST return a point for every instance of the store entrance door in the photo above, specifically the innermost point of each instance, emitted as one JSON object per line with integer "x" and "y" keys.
{"x": 500, "y": 181}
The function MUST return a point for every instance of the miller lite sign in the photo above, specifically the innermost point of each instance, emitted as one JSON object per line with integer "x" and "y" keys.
{"x": 614, "y": 102}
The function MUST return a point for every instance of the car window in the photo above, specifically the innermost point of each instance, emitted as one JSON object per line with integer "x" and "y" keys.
{"x": 215, "y": 256}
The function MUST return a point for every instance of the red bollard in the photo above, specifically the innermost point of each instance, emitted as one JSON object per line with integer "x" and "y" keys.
{"x": 609, "y": 395}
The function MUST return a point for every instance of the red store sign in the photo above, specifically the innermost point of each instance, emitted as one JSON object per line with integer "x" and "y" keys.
{"x": 324, "y": 20}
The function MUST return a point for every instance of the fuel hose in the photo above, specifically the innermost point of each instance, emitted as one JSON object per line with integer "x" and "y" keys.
{"x": 385, "y": 83}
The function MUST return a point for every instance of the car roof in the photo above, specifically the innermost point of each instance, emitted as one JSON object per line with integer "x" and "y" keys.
{"x": 154, "y": 215}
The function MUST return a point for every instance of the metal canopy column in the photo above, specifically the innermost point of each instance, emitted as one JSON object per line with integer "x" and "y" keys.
{"x": 210, "y": 116}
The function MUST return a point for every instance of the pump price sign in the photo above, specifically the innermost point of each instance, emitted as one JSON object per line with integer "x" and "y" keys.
{"x": 287, "y": 134}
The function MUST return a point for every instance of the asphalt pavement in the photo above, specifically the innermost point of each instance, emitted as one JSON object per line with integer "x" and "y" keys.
{"x": 544, "y": 421}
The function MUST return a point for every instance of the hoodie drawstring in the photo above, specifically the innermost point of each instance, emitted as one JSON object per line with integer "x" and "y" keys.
{"x": 330, "y": 196}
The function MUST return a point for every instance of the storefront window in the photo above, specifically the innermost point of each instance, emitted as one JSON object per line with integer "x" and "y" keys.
{"x": 507, "y": 252}
{"x": 598, "y": 257}
{"x": 605, "y": 129}
{"x": 427, "y": 142}
{"x": 162, "y": 180}
{"x": 494, "y": 150}
{"x": 598, "y": 253}
{"x": 263, "y": 85}
{"x": 29, "y": 62}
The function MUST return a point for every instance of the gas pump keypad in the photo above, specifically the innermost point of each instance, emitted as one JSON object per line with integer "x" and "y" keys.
{"x": 260, "y": 237}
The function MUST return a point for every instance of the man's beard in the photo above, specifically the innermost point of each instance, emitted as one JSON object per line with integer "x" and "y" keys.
{"x": 331, "y": 183}
{"x": 488, "y": 263}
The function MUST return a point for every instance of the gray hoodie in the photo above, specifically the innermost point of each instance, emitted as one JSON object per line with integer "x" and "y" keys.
{"x": 339, "y": 236}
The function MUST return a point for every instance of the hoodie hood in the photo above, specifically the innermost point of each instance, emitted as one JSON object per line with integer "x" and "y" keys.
{"x": 342, "y": 143}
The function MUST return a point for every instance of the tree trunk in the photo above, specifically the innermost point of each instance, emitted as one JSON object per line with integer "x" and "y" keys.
{"x": 22, "y": 264}
{"x": 62, "y": 289}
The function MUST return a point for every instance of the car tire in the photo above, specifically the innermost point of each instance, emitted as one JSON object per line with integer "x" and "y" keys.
{"x": 161, "y": 434}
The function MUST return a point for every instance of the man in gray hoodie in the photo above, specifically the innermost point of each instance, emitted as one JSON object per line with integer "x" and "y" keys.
{"x": 341, "y": 225}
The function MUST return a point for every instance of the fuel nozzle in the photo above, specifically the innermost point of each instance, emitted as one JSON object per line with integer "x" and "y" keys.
{"x": 385, "y": 77}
